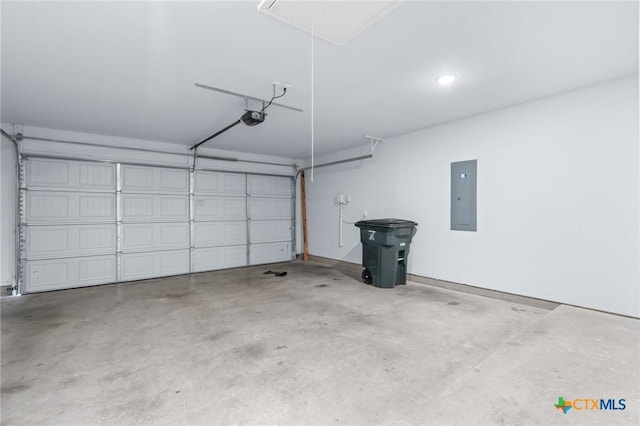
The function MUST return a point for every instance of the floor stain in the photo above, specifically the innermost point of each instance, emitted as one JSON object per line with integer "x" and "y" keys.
{"x": 14, "y": 388}
{"x": 69, "y": 381}
{"x": 218, "y": 335}
{"x": 116, "y": 375}
{"x": 173, "y": 296}
{"x": 321, "y": 285}
{"x": 254, "y": 351}
{"x": 453, "y": 303}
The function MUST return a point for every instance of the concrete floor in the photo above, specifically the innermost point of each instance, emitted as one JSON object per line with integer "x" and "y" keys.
{"x": 314, "y": 347}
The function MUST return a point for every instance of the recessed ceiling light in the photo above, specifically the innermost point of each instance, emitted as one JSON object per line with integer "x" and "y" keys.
{"x": 445, "y": 79}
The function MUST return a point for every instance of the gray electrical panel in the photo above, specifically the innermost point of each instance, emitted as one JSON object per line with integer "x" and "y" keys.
{"x": 464, "y": 185}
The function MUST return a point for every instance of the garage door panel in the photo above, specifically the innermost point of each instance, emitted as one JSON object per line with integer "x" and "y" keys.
{"x": 95, "y": 206}
{"x": 269, "y": 186}
{"x": 52, "y": 207}
{"x": 154, "y": 208}
{"x": 154, "y": 236}
{"x": 63, "y": 174}
{"x": 97, "y": 176}
{"x": 138, "y": 266}
{"x": 219, "y": 208}
{"x": 54, "y": 274}
{"x": 281, "y": 186}
{"x": 70, "y": 240}
{"x": 48, "y": 274}
{"x": 269, "y": 253}
{"x": 210, "y": 234}
{"x": 174, "y": 180}
{"x": 172, "y": 263}
{"x": 97, "y": 270}
{"x": 270, "y": 231}
{"x": 48, "y": 206}
{"x": 153, "y": 179}
{"x": 209, "y": 259}
{"x": 269, "y": 208}
{"x": 220, "y": 183}
{"x": 234, "y": 183}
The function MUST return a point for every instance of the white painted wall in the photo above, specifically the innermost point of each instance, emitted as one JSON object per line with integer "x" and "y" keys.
{"x": 7, "y": 214}
{"x": 558, "y": 196}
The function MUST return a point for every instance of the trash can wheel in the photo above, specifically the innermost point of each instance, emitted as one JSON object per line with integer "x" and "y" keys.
{"x": 366, "y": 277}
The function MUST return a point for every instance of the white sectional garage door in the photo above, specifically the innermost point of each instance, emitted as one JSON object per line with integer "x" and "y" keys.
{"x": 219, "y": 220}
{"x": 68, "y": 224}
{"x": 153, "y": 222}
{"x": 270, "y": 218}
{"x": 87, "y": 223}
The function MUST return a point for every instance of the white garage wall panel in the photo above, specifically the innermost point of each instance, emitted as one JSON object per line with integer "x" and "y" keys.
{"x": 87, "y": 223}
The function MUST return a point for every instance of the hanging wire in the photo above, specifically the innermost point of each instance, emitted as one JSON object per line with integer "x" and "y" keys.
{"x": 284, "y": 92}
{"x": 312, "y": 102}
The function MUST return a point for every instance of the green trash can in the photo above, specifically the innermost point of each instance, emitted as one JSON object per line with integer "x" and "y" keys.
{"x": 385, "y": 248}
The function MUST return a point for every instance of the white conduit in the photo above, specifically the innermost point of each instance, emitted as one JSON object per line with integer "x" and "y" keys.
{"x": 341, "y": 221}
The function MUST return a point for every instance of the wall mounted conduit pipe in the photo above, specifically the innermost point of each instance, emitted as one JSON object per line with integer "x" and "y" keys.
{"x": 333, "y": 163}
{"x": 343, "y": 201}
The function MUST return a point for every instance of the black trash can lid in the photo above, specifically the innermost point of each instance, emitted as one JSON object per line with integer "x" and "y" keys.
{"x": 386, "y": 223}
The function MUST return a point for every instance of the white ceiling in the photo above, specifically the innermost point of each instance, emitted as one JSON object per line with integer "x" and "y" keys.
{"x": 128, "y": 69}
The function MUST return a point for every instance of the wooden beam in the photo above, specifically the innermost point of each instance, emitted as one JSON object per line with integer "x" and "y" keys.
{"x": 303, "y": 193}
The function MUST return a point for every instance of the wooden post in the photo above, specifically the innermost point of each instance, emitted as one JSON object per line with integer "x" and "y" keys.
{"x": 303, "y": 193}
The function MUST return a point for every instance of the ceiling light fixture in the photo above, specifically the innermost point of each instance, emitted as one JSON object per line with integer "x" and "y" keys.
{"x": 446, "y": 79}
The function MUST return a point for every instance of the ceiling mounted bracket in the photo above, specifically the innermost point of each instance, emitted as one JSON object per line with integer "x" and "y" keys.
{"x": 246, "y": 97}
{"x": 374, "y": 141}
